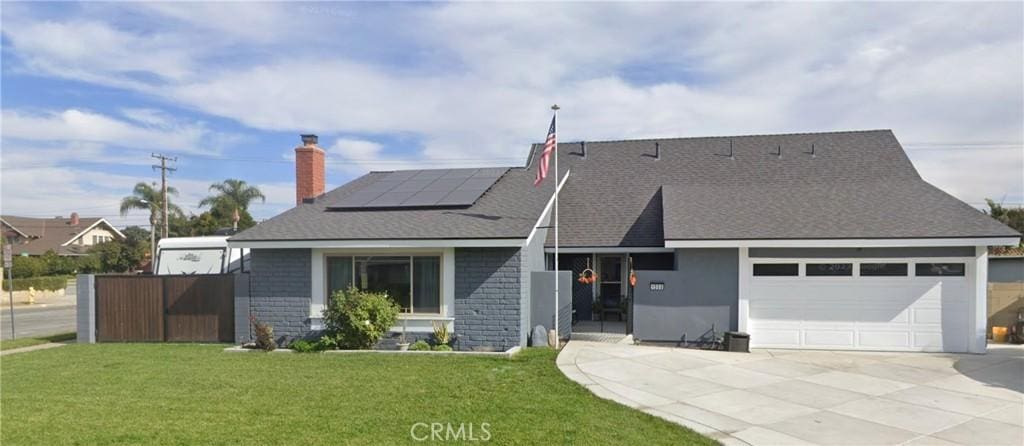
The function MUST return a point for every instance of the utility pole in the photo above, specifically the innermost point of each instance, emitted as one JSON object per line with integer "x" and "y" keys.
{"x": 163, "y": 186}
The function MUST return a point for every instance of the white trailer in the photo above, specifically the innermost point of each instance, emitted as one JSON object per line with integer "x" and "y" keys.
{"x": 199, "y": 255}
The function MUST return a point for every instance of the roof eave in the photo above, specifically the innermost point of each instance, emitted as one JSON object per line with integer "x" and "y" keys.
{"x": 844, "y": 242}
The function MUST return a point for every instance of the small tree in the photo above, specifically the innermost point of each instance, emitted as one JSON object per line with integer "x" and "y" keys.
{"x": 118, "y": 256}
{"x": 24, "y": 266}
{"x": 357, "y": 319}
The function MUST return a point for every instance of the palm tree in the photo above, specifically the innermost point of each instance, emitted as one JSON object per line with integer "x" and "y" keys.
{"x": 233, "y": 195}
{"x": 146, "y": 197}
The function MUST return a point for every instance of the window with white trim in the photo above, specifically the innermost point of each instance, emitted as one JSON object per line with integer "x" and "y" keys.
{"x": 413, "y": 282}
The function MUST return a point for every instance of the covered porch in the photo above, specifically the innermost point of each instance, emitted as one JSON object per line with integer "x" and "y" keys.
{"x": 602, "y": 301}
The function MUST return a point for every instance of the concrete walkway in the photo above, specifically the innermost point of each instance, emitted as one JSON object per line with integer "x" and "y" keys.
{"x": 32, "y": 348}
{"x": 774, "y": 397}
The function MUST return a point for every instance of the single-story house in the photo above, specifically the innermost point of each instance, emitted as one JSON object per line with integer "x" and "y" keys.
{"x": 815, "y": 240}
{"x": 65, "y": 236}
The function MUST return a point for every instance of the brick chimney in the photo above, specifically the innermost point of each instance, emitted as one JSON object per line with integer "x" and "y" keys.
{"x": 309, "y": 169}
{"x": 74, "y": 219}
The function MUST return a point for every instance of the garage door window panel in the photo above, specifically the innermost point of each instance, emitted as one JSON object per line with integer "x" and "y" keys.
{"x": 883, "y": 270}
{"x": 776, "y": 269}
{"x": 940, "y": 269}
{"x": 829, "y": 270}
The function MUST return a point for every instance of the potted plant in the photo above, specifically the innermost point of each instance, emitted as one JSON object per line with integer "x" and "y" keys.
{"x": 403, "y": 344}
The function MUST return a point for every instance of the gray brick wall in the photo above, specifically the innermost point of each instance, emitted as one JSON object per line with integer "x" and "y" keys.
{"x": 487, "y": 298}
{"x": 281, "y": 293}
{"x": 242, "y": 326}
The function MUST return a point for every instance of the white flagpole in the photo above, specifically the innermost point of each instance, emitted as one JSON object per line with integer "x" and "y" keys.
{"x": 557, "y": 179}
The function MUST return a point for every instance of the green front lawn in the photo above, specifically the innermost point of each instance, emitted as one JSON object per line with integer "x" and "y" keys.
{"x": 26, "y": 342}
{"x": 198, "y": 394}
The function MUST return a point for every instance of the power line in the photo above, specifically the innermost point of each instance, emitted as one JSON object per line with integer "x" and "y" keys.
{"x": 911, "y": 146}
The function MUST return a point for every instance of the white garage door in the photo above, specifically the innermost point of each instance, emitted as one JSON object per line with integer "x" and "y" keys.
{"x": 859, "y": 305}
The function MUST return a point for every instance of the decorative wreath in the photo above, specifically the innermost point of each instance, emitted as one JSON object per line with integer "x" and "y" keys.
{"x": 587, "y": 276}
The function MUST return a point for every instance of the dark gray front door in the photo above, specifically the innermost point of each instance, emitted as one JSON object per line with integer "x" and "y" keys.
{"x": 582, "y": 294}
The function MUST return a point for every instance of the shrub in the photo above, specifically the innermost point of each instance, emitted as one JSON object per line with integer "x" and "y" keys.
{"x": 442, "y": 348}
{"x": 43, "y": 283}
{"x": 420, "y": 346}
{"x": 88, "y": 264}
{"x": 357, "y": 319}
{"x": 264, "y": 335}
{"x": 303, "y": 346}
{"x": 24, "y": 266}
{"x": 326, "y": 343}
{"x": 441, "y": 334}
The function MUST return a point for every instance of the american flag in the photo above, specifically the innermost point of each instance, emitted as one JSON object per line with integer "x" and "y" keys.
{"x": 545, "y": 156}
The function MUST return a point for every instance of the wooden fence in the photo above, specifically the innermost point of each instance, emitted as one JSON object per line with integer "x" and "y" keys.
{"x": 197, "y": 308}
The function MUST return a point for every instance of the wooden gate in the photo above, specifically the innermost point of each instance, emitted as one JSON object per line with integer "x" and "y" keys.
{"x": 197, "y": 308}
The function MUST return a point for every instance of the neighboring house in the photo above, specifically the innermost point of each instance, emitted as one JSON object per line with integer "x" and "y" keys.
{"x": 823, "y": 240}
{"x": 1005, "y": 286}
{"x": 70, "y": 236}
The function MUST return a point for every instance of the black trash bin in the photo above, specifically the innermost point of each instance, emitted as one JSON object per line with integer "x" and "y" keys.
{"x": 737, "y": 341}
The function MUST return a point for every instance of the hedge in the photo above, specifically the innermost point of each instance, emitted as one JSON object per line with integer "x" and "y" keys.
{"x": 42, "y": 283}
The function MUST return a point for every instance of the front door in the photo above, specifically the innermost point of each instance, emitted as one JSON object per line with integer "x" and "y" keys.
{"x": 582, "y": 294}
{"x": 611, "y": 281}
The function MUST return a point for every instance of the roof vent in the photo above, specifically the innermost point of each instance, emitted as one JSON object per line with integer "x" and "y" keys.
{"x": 778, "y": 153}
{"x": 813, "y": 155}
{"x": 731, "y": 155}
{"x": 657, "y": 151}
{"x": 583, "y": 149}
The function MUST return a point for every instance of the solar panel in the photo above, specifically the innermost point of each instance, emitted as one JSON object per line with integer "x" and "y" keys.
{"x": 425, "y": 198}
{"x": 444, "y": 184}
{"x": 460, "y": 197}
{"x": 476, "y": 184}
{"x": 390, "y": 199}
{"x": 423, "y": 188}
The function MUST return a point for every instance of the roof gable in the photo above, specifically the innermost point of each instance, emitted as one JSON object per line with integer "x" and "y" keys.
{"x": 56, "y": 234}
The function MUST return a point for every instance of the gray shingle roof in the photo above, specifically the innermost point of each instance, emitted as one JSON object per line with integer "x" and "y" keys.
{"x": 857, "y": 184}
{"x": 832, "y": 210}
{"x": 509, "y": 209}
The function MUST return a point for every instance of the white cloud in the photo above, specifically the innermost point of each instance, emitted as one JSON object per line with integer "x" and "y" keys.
{"x": 86, "y": 126}
{"x": 474, "y": 81}
{"x": 94, "y": 51}
{"x": 355, "y": 148}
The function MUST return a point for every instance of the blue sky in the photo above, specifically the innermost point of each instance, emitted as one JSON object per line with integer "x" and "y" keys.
{"x": 90, "y": 90}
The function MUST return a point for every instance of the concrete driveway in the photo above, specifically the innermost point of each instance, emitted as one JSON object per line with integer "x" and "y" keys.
{"x": 777, "y": 397}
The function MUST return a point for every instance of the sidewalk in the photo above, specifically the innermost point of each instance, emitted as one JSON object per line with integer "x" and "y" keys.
{"x": 33, "y": 348}
{"x": 41, "y": 301}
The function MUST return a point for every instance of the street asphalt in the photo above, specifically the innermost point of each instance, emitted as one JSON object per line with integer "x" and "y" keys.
{"x": 37, "y": 321}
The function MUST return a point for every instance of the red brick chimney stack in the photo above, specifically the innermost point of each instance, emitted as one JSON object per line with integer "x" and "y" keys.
{"x": 74, "y": 219}
{"x": 309, "y": 169}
